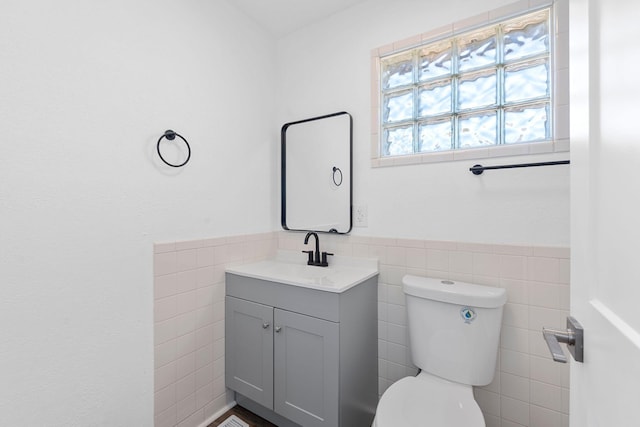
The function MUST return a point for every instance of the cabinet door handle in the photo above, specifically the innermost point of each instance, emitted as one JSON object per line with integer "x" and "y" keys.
{"x": 265, "y": 325}
{"x": 278, "y": 328}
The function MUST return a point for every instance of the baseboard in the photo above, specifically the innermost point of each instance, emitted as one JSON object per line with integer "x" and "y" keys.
{"x": 218, "y": 414}
{"x": 263, "y": 412}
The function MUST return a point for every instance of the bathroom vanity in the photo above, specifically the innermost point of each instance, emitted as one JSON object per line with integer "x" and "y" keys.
{"x": 301, "y": 341}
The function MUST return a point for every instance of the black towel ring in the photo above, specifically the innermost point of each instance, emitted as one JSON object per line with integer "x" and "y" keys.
{"x": 336, "y": 169}
{"x": 171, "y": 135}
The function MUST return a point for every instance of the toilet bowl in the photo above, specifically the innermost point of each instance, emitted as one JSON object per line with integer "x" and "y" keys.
{"x": 427, "y": 400}
{"x": 454, "y": 331}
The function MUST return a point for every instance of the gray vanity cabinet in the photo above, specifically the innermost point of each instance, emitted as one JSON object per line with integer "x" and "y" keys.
{"x": 305, "y": 357}
{"x": 278, "y": 359}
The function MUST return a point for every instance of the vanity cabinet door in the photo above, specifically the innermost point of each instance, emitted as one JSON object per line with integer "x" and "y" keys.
{"x": 306, "y": 369}
{"x": 249, "y": 349}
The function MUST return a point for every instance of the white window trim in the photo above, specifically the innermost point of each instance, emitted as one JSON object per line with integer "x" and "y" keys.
{"x": 559, "y": 77}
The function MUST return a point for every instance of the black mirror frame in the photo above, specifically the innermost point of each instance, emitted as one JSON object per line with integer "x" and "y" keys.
{"x": 283, "y": 172}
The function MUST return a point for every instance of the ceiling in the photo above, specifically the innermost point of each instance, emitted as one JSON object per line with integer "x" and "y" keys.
{"x": 281, "y": 17}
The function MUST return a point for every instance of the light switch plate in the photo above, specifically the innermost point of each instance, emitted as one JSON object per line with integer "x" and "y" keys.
{"x": 360, "y": 216}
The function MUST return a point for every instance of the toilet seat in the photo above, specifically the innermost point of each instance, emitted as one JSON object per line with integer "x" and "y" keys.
{"x": 428, "y": 401}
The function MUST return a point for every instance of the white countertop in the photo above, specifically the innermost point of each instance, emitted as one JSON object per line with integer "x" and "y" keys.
{"x": 291, "y": 268}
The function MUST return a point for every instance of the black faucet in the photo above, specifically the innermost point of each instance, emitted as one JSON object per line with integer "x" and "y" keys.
{"x": 314, "y": 256}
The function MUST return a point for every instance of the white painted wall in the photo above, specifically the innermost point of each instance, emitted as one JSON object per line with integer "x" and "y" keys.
{"x": 86, "y": 89}
{"x": 325, "y": 68}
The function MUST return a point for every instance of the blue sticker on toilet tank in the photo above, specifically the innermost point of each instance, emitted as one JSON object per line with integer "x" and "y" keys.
{"x": 468, "y": 314}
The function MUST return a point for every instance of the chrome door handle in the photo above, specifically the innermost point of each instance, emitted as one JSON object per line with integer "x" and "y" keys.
{"x": 265, "y": 325}
{"x": 553, "y": 337}
{"x": 573, "y": 336}
{"x": 278, "y": 328}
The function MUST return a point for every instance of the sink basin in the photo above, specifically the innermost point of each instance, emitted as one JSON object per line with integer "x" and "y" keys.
{"x": 290, "y": 268}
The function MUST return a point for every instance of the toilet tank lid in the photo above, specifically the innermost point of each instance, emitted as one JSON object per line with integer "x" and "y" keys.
{"x": 454, "y": 292}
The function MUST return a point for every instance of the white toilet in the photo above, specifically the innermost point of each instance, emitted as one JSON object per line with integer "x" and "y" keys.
{"x": 454, "y": 328}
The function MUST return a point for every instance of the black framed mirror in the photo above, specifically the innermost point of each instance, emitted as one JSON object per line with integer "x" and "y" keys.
{"x": 316, "y": 177}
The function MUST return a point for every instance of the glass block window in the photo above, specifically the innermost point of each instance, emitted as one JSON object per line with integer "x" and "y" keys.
{"x": 487, "y": 87}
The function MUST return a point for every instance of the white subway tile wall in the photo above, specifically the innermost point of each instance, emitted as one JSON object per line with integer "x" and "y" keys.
{"x": 189, "y": 324}
{"x": 529, "y": 389}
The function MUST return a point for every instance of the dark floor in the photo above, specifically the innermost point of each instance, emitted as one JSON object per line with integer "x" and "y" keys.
{"x": 245, "y": 415}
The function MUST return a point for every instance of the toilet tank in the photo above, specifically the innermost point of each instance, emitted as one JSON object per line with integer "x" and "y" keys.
{"x": 454, "y": 328}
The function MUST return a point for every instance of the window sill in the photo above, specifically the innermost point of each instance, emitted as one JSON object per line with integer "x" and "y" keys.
{"x": 557, "y": 146}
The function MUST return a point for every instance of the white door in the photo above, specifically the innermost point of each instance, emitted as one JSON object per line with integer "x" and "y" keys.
{"x": 605, "y": 210}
